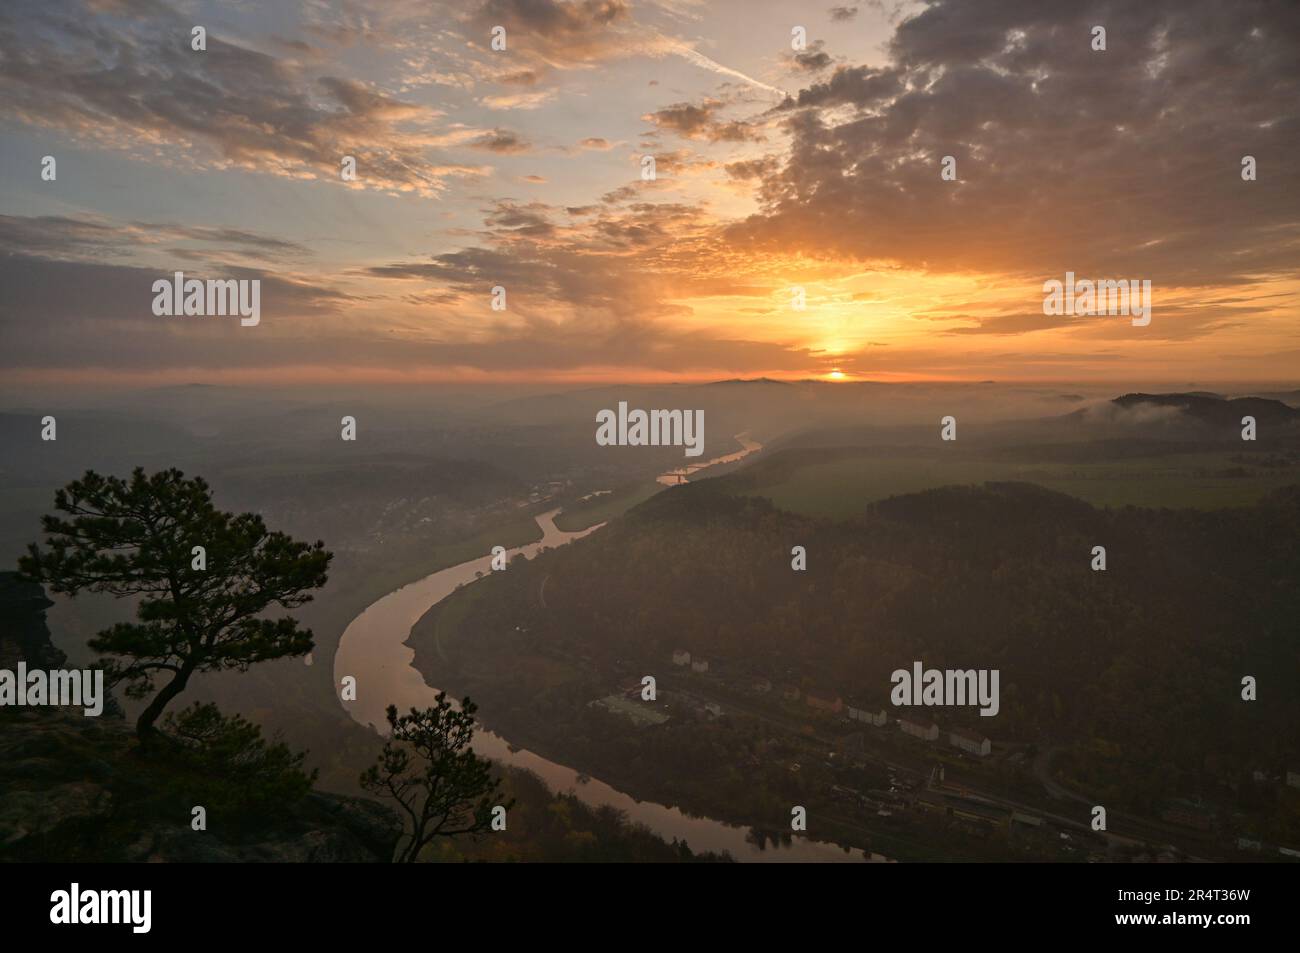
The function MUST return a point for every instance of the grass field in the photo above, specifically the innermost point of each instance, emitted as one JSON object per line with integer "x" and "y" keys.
{"x": 840, "y": 489}
{"x": 581, "y": 515}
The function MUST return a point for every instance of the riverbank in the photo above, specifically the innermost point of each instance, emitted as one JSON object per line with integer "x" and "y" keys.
{"x": 374, "y": 649}
{"x": 564, "y": 732}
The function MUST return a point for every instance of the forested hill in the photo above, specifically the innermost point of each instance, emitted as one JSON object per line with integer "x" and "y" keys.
{"x": 1141, "y": 664}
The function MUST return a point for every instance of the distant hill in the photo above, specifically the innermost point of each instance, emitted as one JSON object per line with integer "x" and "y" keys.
{"x": 1213, "y": 409}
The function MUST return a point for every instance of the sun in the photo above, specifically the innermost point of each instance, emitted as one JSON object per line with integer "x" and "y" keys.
{"x": 837, "y": 375}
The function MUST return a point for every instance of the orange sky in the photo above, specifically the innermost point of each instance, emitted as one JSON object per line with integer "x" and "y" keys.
{"x": 776, "y": 169}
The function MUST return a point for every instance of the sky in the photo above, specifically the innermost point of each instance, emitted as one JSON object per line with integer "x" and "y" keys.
{"x": 783, "y": 171}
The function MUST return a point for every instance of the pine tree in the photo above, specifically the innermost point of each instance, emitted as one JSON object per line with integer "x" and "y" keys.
{"x": 196, "y": 613}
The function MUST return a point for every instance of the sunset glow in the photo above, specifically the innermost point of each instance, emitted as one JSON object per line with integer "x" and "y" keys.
{"x": 797, "y": 222}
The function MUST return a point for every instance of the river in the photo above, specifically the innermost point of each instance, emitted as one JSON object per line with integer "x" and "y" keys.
{"x": 374, "y": 650}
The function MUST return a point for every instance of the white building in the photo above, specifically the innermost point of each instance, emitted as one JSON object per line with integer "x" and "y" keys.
{"x": 928, "y": 732}
{"x": 681, "y": 657}
{"x": 972, "y": 742}
{"x": 859, "y": 712}
{"x": 700, "y": 665}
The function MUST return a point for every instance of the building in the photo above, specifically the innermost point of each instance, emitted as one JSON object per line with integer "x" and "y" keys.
{"x": 972, "y": 742}
{"x": 699, "y": 665}
{"x": 681, "y": 657}
{"x": 790, "y": 692}
{"x": 1293, "y": 779}
{"x": 928, "y": 732}
{"x": 823, "y": 700}
{"x": 762, "y": 685}
{"x": 858, "y": 711}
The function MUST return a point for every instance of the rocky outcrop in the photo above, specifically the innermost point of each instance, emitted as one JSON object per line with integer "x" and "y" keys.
{"x": 74, "y": 788}
{"x": 23, "y": 634}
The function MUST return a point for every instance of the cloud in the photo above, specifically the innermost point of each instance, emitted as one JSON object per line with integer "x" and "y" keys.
{"x": 74, "y": 314}
{"x": 501, "y": 141}
{"x": 593, "y": 286}
{"x": 812, "y": 60}
{"x": 692, "y": 55}
{"x": 563, "y": 31}
{"x": 747, "y": 169}
{"x": 67, "y": 237}
{"x": 1124, "y": 163}
{"x": 573, "y": 306}
{"x": 579, "y": 34}
{"x": 699, "y": 121}
{"x": 134, "y": 84}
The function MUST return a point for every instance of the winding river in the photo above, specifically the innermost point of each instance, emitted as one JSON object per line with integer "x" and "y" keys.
{"x": 374, "y": 650}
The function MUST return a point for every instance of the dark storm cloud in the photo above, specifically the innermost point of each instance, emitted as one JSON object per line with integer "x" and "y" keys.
{"x": 1122, "y": 163}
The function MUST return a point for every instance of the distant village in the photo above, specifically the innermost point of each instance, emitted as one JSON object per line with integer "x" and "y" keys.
{"x": 931, "y": 794}
{"x": 828, "y": 702}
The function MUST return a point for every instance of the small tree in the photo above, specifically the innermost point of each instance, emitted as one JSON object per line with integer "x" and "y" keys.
{"x": 137, "y": 538}
{"x": 427, "y": 766}
{"x": 225, "y": 763}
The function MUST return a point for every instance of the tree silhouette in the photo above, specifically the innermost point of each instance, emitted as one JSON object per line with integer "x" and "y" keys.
{"x": 137, "y": 538}
{"x": 427, "y": 766}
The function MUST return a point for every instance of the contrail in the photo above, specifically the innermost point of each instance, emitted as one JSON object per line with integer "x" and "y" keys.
{"x": 699, "y": 59}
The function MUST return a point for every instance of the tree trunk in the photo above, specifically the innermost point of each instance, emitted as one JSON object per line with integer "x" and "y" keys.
{"x": 144, "y": 725}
